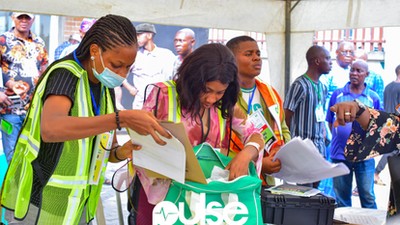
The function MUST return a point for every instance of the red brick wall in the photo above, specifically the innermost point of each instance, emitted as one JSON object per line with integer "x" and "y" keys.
{"x": 71, "y": 25}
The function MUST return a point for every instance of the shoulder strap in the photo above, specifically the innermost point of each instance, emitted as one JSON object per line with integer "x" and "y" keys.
{"x": 70, "y": 65}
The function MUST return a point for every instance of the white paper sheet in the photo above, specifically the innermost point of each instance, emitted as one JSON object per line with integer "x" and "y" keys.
{"x": 302, "y": 163}
{"x": 168, "y": 160}
{"x": 360, "y": 216}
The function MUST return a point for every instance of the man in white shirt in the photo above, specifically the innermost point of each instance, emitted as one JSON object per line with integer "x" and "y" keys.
{"x": 153, "y": 64}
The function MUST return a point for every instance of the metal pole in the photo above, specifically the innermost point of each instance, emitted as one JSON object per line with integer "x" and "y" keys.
{"x": 287, "y": 44}
{"x": 119, "y": 206}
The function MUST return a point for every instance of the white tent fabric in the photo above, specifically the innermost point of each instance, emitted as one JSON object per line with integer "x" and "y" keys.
{"x": 267, "y": 16}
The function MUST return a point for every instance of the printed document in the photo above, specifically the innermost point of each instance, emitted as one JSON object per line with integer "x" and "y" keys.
{"x": 175, "y": 160}
{"x": 302, "y": 163}
{"x": 168, "y": 160}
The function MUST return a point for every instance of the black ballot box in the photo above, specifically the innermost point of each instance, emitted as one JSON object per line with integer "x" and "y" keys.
{"x": 285, "y": 209}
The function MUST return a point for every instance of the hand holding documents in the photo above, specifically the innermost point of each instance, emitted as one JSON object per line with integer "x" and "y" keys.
{"x": 175, "y": 160}
{"x": 302, "y": 163}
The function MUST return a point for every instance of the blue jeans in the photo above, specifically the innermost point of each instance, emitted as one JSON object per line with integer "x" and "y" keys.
{"x": 364, "y": 174}
{"x": 9, "y": 140}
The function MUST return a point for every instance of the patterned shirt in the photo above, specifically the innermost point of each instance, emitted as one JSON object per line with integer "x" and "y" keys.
{"x": 302, "y": 99}
{"x": 375, "y": 82}
{"x": 22, "y": 61}
{"x": 382, "y": 136}
{"x": 341, "y": 133}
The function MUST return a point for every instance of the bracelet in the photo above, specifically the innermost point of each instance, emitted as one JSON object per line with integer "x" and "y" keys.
{"x": 117, "y": 119}
{"x": 115, "y": 154}
{"x": 254, "y": 144}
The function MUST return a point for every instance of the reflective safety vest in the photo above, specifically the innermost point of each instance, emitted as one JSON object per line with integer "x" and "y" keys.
{"x": 174, "y": 110}
{"x": 271, "y": 102}
{"x": 67, "y": 193}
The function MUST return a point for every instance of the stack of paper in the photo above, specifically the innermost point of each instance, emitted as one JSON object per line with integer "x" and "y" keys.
{"x": 302, "y": 163}
{"x": 295, "y": 190}
{"x": 362, "y": 216}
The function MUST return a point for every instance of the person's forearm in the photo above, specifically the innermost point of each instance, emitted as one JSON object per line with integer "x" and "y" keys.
{"x": 65, "y": 128}
{"x": 364, "y": 118}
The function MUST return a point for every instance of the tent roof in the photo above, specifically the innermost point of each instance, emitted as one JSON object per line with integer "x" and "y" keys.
{"x": 266, "y": 16}
{"x": 250, "y": 15}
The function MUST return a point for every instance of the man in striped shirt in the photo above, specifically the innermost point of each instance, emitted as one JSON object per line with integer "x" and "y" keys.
{"x": 305, "y": 100}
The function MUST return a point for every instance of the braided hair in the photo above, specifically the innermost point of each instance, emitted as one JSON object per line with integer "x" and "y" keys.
{"x": 210, "y": 62}
{"x": 108, "y": 32}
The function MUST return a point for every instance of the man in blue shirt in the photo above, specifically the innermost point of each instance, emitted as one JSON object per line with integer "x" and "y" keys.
{"x": 374, "y": 80}
{"x": 363, "y": 170}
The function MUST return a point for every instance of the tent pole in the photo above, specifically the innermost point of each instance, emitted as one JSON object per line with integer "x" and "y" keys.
{"x": 287, "y": 44}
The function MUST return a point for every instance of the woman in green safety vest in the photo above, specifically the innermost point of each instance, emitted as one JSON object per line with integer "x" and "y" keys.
{"x": 68, "y": 136}
{"x": 202, "y": 98}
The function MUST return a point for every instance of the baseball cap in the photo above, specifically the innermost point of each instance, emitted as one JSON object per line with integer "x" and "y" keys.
{"x": 17, "y": 14}
{"x": 86, "y": 24}
{"x": 145, "y": 27}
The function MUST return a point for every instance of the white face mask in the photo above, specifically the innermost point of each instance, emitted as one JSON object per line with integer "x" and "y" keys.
{"x": 108, "y": 78}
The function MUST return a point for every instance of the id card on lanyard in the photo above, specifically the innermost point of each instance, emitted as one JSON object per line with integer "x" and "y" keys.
{"x": 100, "y": 156}
{"x": 261, "y": 124}
{"x": 319, "y": 113}
{"x": 101, "y": 146}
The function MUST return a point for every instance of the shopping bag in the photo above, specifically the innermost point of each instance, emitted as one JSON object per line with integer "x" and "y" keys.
{"x": 218, "y": 202}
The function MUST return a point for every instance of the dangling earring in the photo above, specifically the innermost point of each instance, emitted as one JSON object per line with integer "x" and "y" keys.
{"x": 92, "y": 58}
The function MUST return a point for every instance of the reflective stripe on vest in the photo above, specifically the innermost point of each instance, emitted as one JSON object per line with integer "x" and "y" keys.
{"x": 17, "y": 185}
{"x": 174, "y": 110}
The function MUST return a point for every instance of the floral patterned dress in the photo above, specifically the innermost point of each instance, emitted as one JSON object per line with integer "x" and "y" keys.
{"x": 382, "y": 136}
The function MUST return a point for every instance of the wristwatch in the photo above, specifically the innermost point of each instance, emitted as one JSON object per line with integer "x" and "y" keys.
{"x": 361, "y": 107}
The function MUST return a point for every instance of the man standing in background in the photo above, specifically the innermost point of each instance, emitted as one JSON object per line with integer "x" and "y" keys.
{"x": 339, "y": 75}
{"x": 305, "y": 100}
{"x": 184, "y": 42}
{"x": 363, "y": 171}
{"x": 23, "y": 59}
{"x": 153, "y": 64}
{"x": 261, "y": 102}
{"x": 373, "y": 80}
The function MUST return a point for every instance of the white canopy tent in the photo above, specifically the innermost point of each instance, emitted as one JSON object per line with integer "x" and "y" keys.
{"x": 288, "y": 37}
